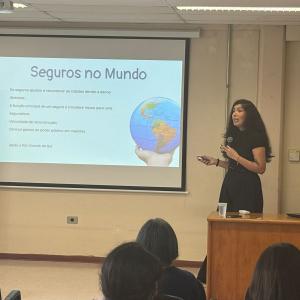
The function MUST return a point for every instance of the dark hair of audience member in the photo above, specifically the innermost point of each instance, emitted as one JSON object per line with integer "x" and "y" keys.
{"x": 129, "y": 272}
{"x": 159, "y": 238}
{"x": 277, "y": 274}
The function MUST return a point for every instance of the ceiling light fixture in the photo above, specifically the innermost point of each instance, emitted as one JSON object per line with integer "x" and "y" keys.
{"x": 239, "y": 8}
{"x": 6, "y": 7}
{"x": 19, "y": 5}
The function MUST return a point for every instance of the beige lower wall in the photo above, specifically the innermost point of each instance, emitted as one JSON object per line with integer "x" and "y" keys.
{"x": 34, "y": 221}
{"x": 291, "y": 170}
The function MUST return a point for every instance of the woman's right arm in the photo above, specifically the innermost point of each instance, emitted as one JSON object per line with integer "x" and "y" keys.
{"x": 211, "y": 161}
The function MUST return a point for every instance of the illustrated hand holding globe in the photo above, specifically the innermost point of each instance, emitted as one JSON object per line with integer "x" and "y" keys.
{"x": 154, "y": 159}
{"x": 155, "y": 128}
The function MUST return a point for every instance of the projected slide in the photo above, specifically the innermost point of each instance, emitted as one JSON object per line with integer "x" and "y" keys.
{"x": 111, "y": 112}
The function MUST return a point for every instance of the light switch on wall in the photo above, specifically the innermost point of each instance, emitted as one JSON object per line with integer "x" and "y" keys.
{"x": 294, "y": 155}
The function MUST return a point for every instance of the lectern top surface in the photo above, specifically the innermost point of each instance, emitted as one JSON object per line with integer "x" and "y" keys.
{"x": 256, "y": 218}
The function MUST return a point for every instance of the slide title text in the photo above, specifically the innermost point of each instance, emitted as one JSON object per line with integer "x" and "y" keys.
{"x": 107, "y": 73}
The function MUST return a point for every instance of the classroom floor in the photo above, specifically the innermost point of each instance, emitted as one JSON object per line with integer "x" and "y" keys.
{"x": 51, "y": 280}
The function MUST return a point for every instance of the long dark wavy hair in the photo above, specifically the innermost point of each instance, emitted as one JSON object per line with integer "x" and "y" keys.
{"x": 253, "y": 122}
{"x": 277, "y": 274}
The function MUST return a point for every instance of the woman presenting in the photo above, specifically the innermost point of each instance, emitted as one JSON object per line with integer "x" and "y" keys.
{"x": 246, "y": 150}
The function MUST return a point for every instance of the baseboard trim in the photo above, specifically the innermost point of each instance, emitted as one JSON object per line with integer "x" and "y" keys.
{"x": 80, "y": 259}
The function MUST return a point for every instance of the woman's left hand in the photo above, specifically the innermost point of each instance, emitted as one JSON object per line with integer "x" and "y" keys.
{"x": 230, "y": 152}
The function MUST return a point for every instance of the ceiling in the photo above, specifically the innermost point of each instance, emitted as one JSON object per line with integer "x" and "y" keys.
{"x": 57, "y": 12}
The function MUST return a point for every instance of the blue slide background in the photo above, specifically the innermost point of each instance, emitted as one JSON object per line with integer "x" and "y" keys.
{"x": 106, "y": 139}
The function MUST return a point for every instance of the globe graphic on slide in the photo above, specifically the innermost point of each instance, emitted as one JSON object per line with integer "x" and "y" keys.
{"x": 155, "y": 125}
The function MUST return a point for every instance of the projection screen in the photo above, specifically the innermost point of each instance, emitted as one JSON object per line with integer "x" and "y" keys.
{"x": 86, "y": 112}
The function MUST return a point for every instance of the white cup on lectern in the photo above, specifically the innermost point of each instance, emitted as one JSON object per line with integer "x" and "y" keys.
{"x": 222, "y": 208}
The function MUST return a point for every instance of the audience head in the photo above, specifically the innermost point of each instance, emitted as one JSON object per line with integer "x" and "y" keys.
{"x": 159, "y": 238}
{"x": 129, "y": 272}
{"x": 277, "y": 274}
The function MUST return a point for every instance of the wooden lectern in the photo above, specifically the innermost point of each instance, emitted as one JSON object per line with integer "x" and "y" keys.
{"x": 235, "y": 244}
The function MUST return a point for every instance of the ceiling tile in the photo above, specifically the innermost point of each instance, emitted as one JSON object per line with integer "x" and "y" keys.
{"x": 26, "y": 15}
{"x": 15, "y": 18}
{"x": 101, "y": 2}
{"x": 103, "y": 9}
{"x": 126, "y": 18}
